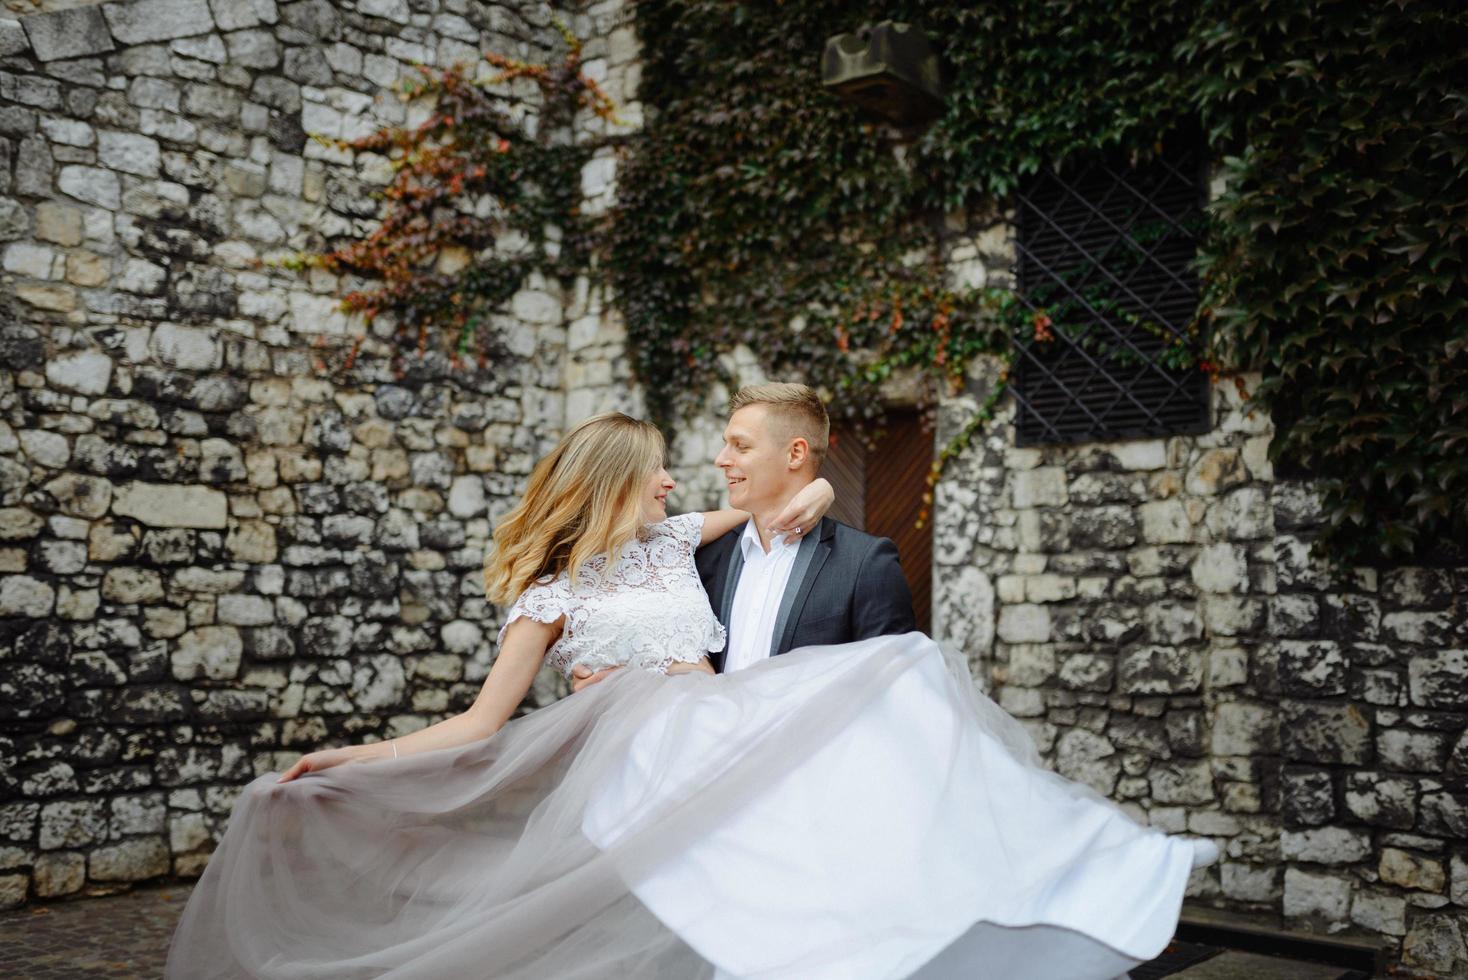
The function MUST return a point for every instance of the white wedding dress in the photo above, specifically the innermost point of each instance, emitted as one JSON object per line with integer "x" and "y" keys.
{"x": 851, "y": 812}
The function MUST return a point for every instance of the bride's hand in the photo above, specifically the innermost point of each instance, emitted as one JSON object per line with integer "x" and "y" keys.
{"x": 582, "y": 677}
{"x": 805, "y": 510}
{"x": 315, "y": 762}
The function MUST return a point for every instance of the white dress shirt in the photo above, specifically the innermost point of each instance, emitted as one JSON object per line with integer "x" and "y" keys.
{"x": 757, "y": 597}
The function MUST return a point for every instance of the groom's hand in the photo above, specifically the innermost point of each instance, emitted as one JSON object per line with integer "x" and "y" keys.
{"x": 582, "y": 677}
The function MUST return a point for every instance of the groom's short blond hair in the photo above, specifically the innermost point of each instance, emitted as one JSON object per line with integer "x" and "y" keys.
{"x": 796, "y": 409}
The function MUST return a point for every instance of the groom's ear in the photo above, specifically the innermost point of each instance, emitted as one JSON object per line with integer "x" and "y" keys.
{"x": 799, "y": 453}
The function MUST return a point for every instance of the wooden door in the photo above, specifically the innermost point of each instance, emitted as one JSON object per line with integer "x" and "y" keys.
{"x": 880, "y": 491}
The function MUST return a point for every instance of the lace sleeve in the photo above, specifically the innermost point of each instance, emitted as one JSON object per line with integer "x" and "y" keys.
{"x": 687, "y": 528}
{"x": 544, "y": 602}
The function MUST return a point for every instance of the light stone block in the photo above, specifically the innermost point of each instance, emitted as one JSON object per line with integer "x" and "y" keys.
{"x": 1221, "y": 567}
{"x": 1138, "y": 454}
{"x": 86, "y": 372}
{"x": 48, "y": 449}
{"x": 1399, "y": 867}
{"x": 211, "y": 652}
{"x": 1165, "y": 522}
{"x": 70, "y": 33}
{"x": 1043, "y": 486}
{"x": 129, "y": 152}
{"x": 141, "y": 21}
{"x": 21, "y": 595}
{"x": 91, "y": 185}
{"x": 186, "y": 348}
{"x": 172, "y": 505}
{"x": 1244, "y": 728}
{"x": 1024, "y": 623}
{"x": 1310, "y": 895}
{"x": 80, "y": 496}
{"x": 131, "y": 860}
{"x": 1325, "y": 845}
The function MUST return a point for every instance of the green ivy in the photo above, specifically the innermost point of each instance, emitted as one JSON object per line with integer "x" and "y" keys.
{"x": 764, "y": 215}
{"x": 471, "y": 172}
{"x": 1339, "y": 267}
{"x": 758, "y": 209}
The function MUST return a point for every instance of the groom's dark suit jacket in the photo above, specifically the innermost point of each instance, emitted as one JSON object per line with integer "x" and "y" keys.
{"x": 845, "y": 585}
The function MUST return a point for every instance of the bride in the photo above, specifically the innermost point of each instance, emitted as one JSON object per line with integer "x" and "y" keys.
{"x": 852, "y": 811}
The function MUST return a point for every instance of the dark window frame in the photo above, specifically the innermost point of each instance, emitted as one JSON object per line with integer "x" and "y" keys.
{"x": 1106, "y": 246}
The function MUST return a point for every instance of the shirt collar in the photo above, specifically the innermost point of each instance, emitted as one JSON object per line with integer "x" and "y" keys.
{"x": 749, "y": 542}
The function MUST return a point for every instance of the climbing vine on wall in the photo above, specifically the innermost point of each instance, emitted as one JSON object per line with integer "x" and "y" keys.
{"x": 479, "y": 197}
{"x": 756, "y": 209}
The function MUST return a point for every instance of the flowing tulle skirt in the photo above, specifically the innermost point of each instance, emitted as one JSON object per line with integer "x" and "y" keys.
{"x": 855, "y": 811}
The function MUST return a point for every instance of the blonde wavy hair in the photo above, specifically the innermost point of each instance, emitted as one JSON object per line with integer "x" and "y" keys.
{"x": 584, "y": 499}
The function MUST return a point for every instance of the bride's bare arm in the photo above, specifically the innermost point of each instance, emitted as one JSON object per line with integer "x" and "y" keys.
{"x": 521, "y": 655}
{"x": 509, "y": 679}
{"x": 804, "y": 511}
{"x": 702, "y": 664}
{"x": 717, "y": 523}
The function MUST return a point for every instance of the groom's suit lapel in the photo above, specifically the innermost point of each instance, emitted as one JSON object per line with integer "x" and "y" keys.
{"x": 814, "y": 551}
{"x": 731, "y": 583}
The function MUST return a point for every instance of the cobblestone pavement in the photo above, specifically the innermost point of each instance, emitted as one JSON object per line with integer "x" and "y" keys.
{"x": 127, "y": 936}
{"x": 118, "y": 936}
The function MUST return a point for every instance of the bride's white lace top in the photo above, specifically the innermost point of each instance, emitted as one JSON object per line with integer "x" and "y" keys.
{"x": 649, "y": 612}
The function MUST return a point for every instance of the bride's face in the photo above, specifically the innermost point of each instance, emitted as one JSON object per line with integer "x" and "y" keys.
{"x": 655, "y": 496}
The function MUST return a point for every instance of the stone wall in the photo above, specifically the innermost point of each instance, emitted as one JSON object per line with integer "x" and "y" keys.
{"x": 217, "y": 550}
{"x": 1150, "y": 610}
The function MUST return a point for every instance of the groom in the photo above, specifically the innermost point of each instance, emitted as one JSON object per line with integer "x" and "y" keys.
{"x": 834, "y": 584}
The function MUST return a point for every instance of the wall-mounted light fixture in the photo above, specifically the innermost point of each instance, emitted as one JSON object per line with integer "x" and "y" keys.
{"x": 888, "y": 69}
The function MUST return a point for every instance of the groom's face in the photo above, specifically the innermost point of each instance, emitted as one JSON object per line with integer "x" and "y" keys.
{"x": 754, "y": 460}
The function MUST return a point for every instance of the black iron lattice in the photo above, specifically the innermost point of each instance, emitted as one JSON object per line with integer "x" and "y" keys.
{"x": 1104, "y": 253}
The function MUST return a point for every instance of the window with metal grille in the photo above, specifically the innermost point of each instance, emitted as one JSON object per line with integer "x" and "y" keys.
{"x": 1103, "y": 251}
